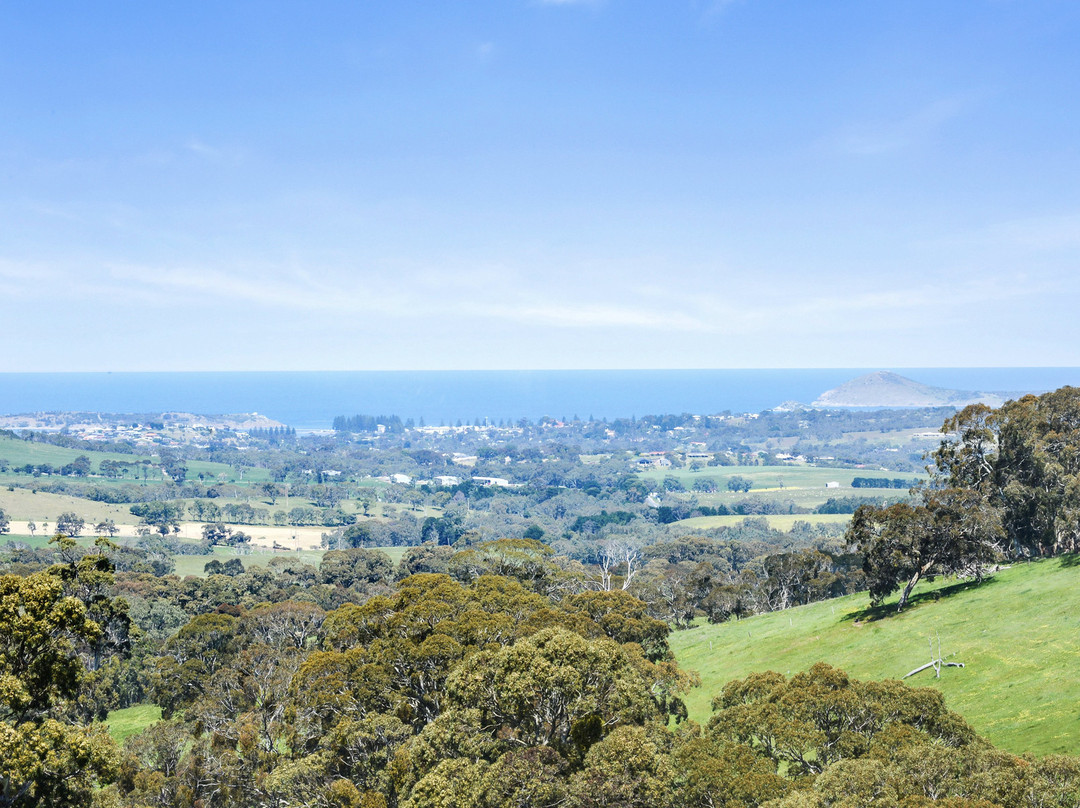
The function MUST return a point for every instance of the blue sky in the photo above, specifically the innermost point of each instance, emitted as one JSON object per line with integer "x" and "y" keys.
{"x": 529, "y": 184}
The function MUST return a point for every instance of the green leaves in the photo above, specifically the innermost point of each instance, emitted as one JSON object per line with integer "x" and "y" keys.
{"x": 44, "y": 761}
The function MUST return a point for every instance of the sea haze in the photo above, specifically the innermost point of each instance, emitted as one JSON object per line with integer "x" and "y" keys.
{"x": 310, "y": 400}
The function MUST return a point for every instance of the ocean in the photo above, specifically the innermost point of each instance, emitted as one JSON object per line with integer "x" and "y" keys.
{"x": 311, "y": 399}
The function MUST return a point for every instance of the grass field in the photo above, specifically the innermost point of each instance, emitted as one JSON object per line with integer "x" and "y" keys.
{"x": 193, "y": 564}
{"x": 773, "y": 477}
{"x": 38, "y": 541}
{"x": 803, "y": 486}
{"x": 20, "y": 452}
{"x": 22, "y": 504}
{"x": 130, "y": 720}
{"x": 782, "y": 522}
{"x": 1017, "y": 634}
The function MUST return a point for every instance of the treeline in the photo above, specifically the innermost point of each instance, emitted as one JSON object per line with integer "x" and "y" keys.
{"x": 1005, "y": 485}
{"x": 368, "y": 423}
{"x": 881, "y": 482}
{"x": 79, "y": 467}
{"x": 273, "y": 433}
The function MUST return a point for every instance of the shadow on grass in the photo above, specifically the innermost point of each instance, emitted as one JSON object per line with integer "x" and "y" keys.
{"x": 888, "y": 609}
{"x": 1070, "y": 560}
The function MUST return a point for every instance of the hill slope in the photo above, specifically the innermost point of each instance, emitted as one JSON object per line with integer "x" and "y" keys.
{"x": 885, "y": 389}
{"x": 1017, "y": 635}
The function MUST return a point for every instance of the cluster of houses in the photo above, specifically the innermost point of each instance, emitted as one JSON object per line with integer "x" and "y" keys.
{"x": 446, "y": 481}
{"x": 697, "y": 452}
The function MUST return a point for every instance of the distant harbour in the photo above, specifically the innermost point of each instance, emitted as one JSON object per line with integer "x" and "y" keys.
{"x": 310, "y": 399}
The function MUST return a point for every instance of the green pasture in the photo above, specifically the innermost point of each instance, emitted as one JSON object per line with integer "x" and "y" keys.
{"x": 782, "y": 522}
{"x": 22, "y": 504}
{"x": 775, "y": 477}
{"x": 20, "y": 452}
{"x": 130, "y": 720}
{"x": 40, "y": 540}
{"x": 803, "y": 486}
{"x": 1017, "y": 635}
{"x": 259, "y": 557}
{"x": 212, "y": 472}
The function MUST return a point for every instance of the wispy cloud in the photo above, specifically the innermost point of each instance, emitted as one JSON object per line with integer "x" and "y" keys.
{"x": 595, "y": 316}
{"x": 1044, "y": 233}
{"x": 1031, "y": 234}
{"x": 287, "y": 290}
{"x": 884, "y": 137}
{"x": 213, "y": 153}
{"x": 515, "y": 302}
{"x": 196, "y": 146}
{"x": 18, "y": 274}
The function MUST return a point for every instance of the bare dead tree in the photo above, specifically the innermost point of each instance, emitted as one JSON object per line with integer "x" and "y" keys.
{"x": 616, "y": 556}
{"x": 936, "y": 663}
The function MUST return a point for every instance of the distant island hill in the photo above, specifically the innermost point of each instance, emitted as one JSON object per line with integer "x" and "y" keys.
{"x": 886, "y": 389}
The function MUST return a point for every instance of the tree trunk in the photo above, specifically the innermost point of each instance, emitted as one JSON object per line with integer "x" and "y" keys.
{"x": 911, "y": 584}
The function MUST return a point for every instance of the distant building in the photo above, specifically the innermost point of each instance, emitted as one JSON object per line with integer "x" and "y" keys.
{"x": 652, "y": 460}
{"x": 832, "y": 485}
{"x": 491, "y": 482}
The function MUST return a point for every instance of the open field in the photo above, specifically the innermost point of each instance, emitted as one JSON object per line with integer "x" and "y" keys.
{"x": 130, "y": 720}
{"x": 20, "y": 452}
{"x": 21, "y": 504}
{"x": 291, "y": 538}
{"x": 1016, "y": 633}
{"x": 259, "y": 555}
{"x": 781, "y": 482}
{"x": 803, "y": 486}
{"x": 774, "y": 477}
{"x": 782, "y": 522}
{"x": 194, "y": 564}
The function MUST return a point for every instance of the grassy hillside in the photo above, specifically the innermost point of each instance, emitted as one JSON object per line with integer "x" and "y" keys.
{"x": 22, "y": 504}
{"x": 18, "y": 452}
{"x": 126, "y": 722}
{"x": 1017, "y": 635}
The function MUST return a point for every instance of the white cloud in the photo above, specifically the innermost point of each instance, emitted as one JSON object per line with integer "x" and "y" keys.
{"x": 203, "y": 150}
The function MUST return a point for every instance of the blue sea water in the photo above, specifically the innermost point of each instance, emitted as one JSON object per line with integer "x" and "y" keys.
{"x": 311, "y": 399}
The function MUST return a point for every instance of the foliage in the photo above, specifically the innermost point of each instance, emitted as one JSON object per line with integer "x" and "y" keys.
{"x": 44, "y": 758}
{"x": 1006, "y": 481}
